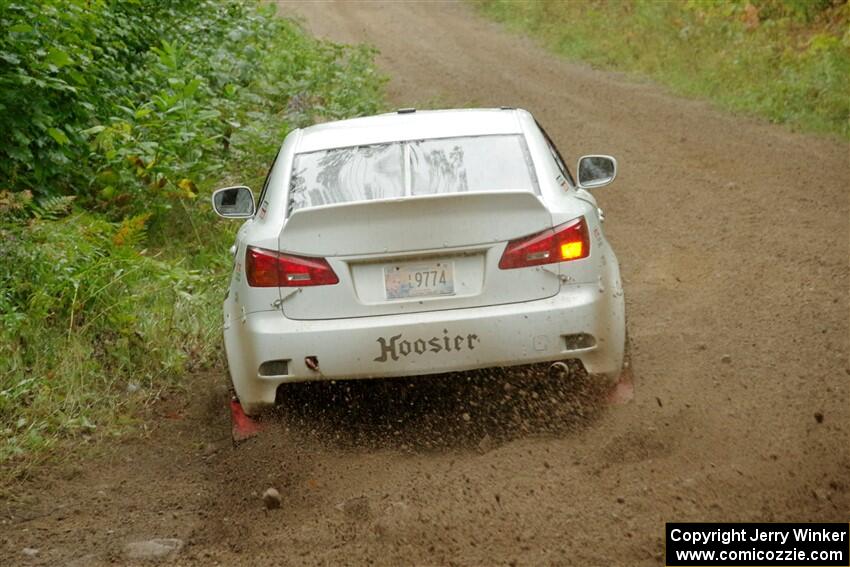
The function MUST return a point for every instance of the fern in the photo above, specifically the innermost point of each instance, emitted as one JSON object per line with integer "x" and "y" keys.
{"x": 20, "y": 206}
{"x": 133, "y": 231}
{"x": 51, "y": 208}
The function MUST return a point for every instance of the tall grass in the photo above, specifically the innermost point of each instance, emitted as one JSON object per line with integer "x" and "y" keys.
{"x": 786, "y": 60}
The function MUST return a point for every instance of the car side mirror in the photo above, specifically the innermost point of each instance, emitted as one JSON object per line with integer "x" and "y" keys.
{"x": 596, "y": 171}
{"x": 234, "y": 202}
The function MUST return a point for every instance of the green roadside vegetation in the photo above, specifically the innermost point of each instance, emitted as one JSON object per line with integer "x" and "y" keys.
{"x": 119, "y": 117}
{"x": 785, "y": 60}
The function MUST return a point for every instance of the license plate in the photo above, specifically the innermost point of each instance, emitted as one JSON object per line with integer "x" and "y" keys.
{"x": 419, "y": 280}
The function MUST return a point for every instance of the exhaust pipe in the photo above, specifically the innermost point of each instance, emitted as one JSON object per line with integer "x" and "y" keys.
{"x": 559, "y": 368}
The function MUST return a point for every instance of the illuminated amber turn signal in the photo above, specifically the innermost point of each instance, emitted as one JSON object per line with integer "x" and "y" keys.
{"x": 562, "y": 243}
{"x": 571, "y": 250}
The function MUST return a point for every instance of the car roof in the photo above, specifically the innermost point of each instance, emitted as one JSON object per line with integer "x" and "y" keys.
{"x": 409, "y": 124}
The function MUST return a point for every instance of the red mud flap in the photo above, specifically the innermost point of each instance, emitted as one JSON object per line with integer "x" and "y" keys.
{"x": 243, "y": 426}
{"x": 623, "y": 391}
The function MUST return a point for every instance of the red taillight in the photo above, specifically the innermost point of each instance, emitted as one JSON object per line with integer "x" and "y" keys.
{"x": 267, "y": 268}
{"x": 565, "y": 242}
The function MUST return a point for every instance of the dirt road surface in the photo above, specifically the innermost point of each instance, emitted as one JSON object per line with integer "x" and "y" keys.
{"x": 733, "y": 237}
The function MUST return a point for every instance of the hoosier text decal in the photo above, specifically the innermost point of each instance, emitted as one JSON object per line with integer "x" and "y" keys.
{"x": 395, "y": 346}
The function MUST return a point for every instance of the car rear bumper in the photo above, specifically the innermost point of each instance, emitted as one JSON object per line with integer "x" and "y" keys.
{"x": 580, "y": 322}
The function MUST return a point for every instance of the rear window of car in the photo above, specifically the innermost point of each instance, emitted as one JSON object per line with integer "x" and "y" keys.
{"x": 418, "y": 167}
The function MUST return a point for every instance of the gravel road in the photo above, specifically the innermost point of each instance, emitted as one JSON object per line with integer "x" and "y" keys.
{"x": 733, "y": 238}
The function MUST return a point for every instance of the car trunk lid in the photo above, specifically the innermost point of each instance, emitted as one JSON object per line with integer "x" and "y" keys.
{"x": 416, "y": 254}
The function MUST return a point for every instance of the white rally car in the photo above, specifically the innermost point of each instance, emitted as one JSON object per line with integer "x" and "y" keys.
{"x": 418, "y": 243}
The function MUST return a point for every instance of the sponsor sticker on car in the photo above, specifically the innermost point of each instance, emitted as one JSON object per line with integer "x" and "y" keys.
{"x": 399, "y": 346}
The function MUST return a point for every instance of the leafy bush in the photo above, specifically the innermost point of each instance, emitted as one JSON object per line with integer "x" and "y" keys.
{"x": 787, "y": 60}
{"x": 130, "y": 104}
{"x": 119, "y": 115}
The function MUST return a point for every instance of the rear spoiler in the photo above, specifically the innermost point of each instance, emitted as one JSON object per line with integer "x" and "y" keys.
{"x": 414, "y": 223}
